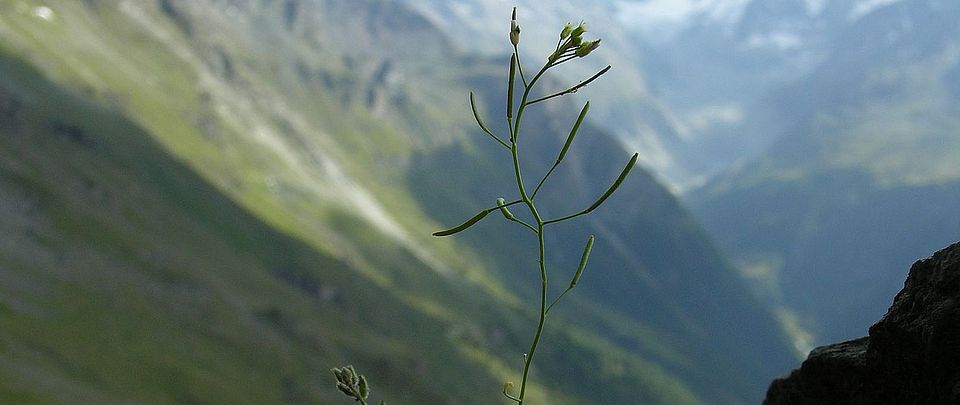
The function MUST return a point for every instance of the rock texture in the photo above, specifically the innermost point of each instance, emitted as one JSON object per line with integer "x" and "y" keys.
{"x": 911, "y": 356}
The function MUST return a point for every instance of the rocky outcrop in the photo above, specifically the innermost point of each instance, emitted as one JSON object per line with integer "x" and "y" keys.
{"x": 911, "y": 356}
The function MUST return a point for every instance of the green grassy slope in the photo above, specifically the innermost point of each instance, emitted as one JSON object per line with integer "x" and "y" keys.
{"x": 130, "y": 278}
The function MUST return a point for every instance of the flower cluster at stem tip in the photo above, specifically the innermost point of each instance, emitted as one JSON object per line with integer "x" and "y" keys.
{"x": 571, "y": 40}
{"x": 572, "y": 43}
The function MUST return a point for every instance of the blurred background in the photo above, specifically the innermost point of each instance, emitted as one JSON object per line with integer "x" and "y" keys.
{"x": 216, "y": 201}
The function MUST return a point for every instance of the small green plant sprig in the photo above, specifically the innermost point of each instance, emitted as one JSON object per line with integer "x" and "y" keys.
{"x": 570, "y": 46}
{"x": 352, "y": 384}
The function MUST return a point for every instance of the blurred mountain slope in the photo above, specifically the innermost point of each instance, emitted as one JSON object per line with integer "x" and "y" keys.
{"x": 864, "y": 174}
{"x": 275, "y": 158}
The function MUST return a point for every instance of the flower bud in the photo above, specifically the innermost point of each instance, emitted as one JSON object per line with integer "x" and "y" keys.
{"x": 514, "y": 29}
{"x": 577, "y": 32}
{"x": 504, "y": 210}
{"x": 587, "y": 47}
{"x": 363, "y": 388}
{"x": 514, "y": 32}
{"x": 567, "y": 29}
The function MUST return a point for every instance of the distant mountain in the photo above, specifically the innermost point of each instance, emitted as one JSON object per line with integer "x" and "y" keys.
{"x": 690, "y": 78}
{"x": 721, "y": 60}
{"x": 210, "y": 201}
{"x": 863, "y": 175}
{"x": 625, "y": 105}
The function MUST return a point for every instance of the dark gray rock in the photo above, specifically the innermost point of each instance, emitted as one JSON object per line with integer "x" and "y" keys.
{"x": 911, "y": 356}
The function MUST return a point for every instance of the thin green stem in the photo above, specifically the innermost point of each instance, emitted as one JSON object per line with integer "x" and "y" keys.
{"x": 519, "y": 66}
{"x": 566, "y": 56}
{"x": 543, "y": 315}
{"x": 568, "y": 48}
{"x": 539, "y": 221}
{"x": 544, "y": 179}
{"x": 527, "y": 199}
{"x": 573, "y": 89}
{"x": 526, "y": 225}
{"x": 555, "y": 301}
{"x": 523, "y": 101}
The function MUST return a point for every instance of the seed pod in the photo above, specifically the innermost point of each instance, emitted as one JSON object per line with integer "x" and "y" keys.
{"x": 476, "y": 114}
{"x": 573, "y": 132}
{"x": 616, "y": 184}
{"x": 583, "y": 261}
{"x": 510, "y": 84}
{"x": 464, "y": 225}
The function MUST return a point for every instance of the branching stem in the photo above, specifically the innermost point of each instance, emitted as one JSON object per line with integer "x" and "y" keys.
{"x": 569, "y": 47}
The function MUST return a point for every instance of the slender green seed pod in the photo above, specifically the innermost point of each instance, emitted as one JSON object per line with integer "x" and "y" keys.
{"x": 573, "y": 132}
{"x": 623, "y": 175}
{"x": 583, "y": 261}
{"x": 510, "y": 84}
{"x": 476, "y": 114}
{"x": 465, "y": 225}
{"x": 504, "y": 210}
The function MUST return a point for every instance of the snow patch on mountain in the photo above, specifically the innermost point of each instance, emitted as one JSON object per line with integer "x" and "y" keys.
{"x": 782, "y": 40}
{"x": 662, "y": 19}
{"x": 864, "y": 7}
{"x": 815, "y": 7}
